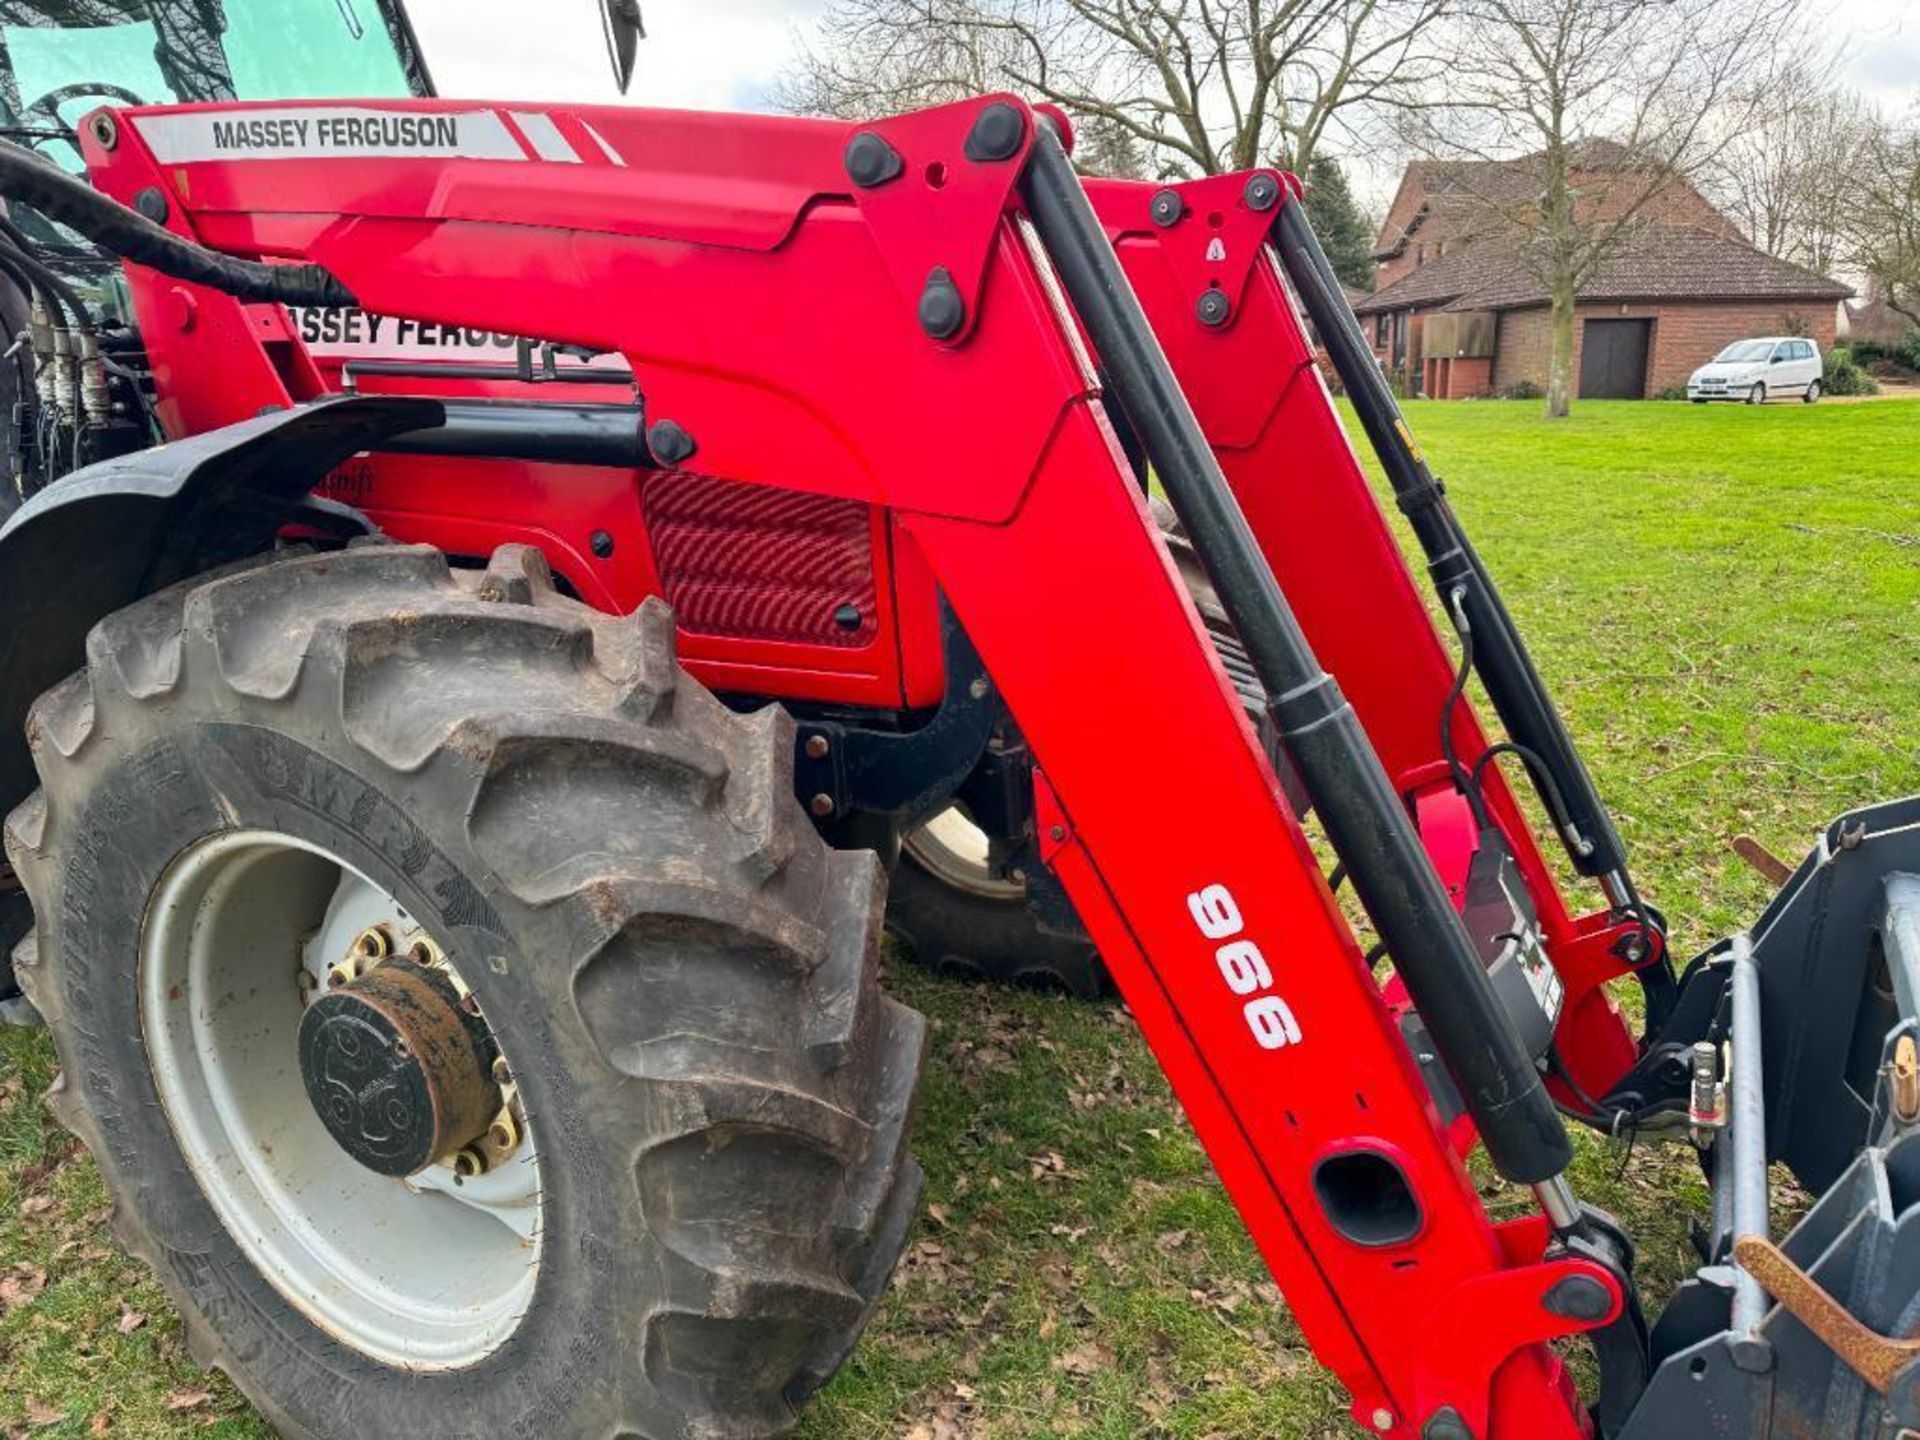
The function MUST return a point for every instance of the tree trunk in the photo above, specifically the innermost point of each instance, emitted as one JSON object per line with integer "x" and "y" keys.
{"x": 1560, "y": 349}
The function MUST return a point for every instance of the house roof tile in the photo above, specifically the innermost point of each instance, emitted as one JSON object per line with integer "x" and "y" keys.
{"x": 1654, "y": 262}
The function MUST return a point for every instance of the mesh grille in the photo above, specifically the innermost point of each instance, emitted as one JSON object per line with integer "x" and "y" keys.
{"x": 760, "y": 564}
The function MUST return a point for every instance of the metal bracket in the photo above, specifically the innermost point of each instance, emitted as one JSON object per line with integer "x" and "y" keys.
{"x": 935, "y": 198}
{"x": 1212, "y": 232}
{"x": 841, "y": 768}
{"x": 1482, "y": 1321}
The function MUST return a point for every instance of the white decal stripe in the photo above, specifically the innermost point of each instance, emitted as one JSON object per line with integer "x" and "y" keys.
{"x": 545, "y": 137}
{"x": 315, "y": 133}
{"x": 601, "y": 140}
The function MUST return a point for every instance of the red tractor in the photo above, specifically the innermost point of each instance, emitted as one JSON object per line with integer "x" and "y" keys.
{"x": 456, "y": 783}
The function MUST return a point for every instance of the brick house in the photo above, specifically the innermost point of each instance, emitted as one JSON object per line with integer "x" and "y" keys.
{"x": 1458, "y": 312}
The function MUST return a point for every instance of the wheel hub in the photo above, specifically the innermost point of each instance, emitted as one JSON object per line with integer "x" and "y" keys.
{"x": 399, "y": 1074}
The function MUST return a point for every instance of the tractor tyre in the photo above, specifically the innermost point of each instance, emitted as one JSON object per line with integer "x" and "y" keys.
{"x": 338, "y": 857}
{"x": 956, "y": 911}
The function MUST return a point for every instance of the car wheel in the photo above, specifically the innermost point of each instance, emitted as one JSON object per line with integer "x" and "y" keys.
{"x": 1757, "y": 395}
{"x": 1699, "y": 399}
{"x": 1813, "y": 392}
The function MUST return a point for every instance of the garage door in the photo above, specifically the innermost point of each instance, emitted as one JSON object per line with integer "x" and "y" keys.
{"x": 1613, "y": 359}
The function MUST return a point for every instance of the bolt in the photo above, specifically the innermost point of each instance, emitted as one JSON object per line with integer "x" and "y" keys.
{"x": 817, "y": 747}
{"x": 821, "y": 805}
{"x": 152, "y": 203}
{"x": 374, "y": 943}
{"x": 871, "y": 161}
{"x": 1381, "y": 1420}
{"x": 1017, "y": 875}
{"x": 669, "y": 442}
{"x": 1056, "y": 832}
{"x": 422, "y": 952}
{"x": 847, "y": 617}
{"x": 1578, "y": 1297}
{"x": 1261, "y": 192}
{"x": 501, "y": 1074}
{"x": 469, "y": 1163}
{"x": 942, "y": 311}
{"x": 978, "y": 687}
{"x": 105, "y": 133}
{"x": 601, "y": 543}
{"x": 1166, "y": 207}
{"x": 997, "y": 133}
{"x": 1213, "y": 307}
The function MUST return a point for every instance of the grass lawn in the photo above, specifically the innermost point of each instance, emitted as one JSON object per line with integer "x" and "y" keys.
{"x": 1727, "y": 602}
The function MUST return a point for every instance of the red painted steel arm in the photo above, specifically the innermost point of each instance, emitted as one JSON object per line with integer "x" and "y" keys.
{"x": 1261, "y": 399}
{"x": 769, "y": 308}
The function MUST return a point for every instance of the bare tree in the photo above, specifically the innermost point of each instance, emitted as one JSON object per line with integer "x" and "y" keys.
{"x": 1789, "y": 172}
{"x": 1598, "y": 111}
{"x": 1198, "y": 86}
{"x": 1883, "y": 216}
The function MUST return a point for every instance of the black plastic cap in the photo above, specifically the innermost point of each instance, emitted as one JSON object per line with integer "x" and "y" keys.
{"x": 871, "y": 161}
{"x": 1213, "y": 307}
{"x": 942, "y": 311}
{"x": 997, "y": 133}
{"x": 602, "y": 543}
{"x": 1578, "y": 1297}
{"x": 1262, "y": 192}
{"x": 151, "y": 203}
{"x": 1445, "y": 1424}
{"x": 1167, "y": 207}
{"x": 669, "y": 443}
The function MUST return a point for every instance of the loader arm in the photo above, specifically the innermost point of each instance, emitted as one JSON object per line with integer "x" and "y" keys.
{"x": 819, "y": 307}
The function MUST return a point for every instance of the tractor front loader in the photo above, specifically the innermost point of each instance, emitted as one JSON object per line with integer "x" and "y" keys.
{"x": 465, "y": 976}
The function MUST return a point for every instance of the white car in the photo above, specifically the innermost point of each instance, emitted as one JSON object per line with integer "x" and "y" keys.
{"x": 1757, "y": 371}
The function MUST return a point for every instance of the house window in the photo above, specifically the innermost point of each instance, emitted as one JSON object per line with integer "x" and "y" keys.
{"x": 1380, "y": 331}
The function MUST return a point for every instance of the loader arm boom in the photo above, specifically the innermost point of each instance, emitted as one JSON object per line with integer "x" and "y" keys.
{"x": 811, "y": 305}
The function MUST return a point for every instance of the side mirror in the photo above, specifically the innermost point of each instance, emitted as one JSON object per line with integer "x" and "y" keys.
{"x": 621, "y": 21}
{"x": 1778, "y": 360}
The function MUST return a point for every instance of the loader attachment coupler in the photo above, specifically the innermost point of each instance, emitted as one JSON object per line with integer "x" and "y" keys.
{"x": 1816, "y": 1008}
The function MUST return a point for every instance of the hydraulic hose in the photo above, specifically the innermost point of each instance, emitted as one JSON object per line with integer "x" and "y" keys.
{"x": 130, "y": 235}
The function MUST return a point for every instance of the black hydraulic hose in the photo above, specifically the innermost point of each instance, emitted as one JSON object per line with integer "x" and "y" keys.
{"x": 129, "y": 234}
{"x": 41, "y": 277}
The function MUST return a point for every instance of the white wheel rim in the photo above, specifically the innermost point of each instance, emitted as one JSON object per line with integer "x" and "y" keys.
{"x": 957, "y": 852}
{"x": 432, "y": 1272}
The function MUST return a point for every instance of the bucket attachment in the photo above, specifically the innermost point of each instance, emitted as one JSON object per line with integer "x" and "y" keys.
{"x": 1816, "y": 1011}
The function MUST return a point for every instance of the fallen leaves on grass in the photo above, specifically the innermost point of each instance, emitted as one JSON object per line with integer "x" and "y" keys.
{"x": 20, "y": 1285}
{"x": 130, "y": 1319}
{"x": 188, "y": 1398}
{"x": 1089, "y": 1359}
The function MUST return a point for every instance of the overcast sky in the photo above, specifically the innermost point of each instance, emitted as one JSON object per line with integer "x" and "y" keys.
{"x": 725, "y": 54}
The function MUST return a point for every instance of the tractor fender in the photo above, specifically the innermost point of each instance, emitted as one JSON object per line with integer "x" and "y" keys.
{"x": 106, "y": 535}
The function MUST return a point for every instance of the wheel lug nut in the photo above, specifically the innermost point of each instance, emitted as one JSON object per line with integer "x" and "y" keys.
{"x": 374, "y": 943}
{"x": 501, "y": 1074}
